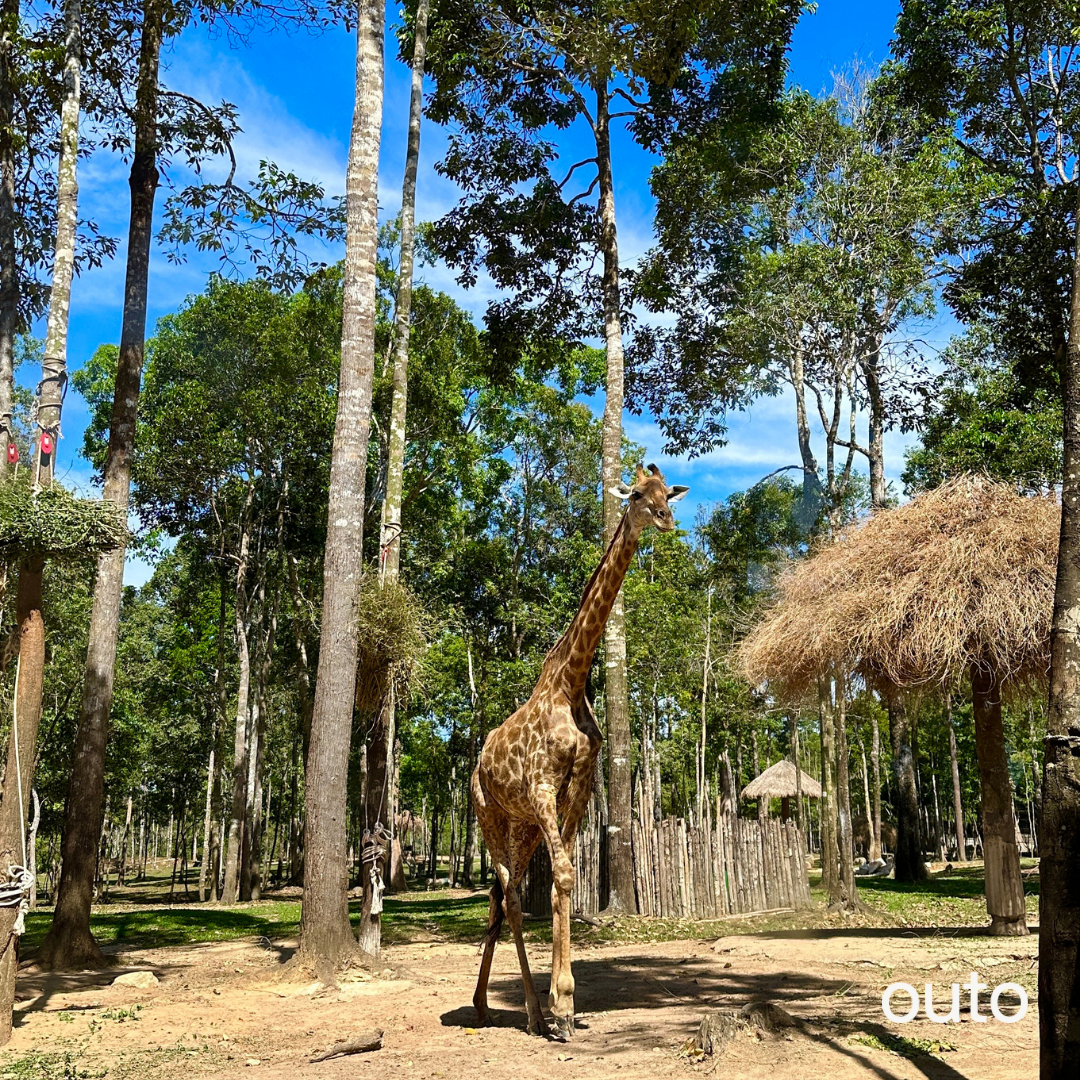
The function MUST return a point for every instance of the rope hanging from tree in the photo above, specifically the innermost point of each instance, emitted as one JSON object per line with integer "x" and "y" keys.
{"x": 15, "y": 891}
{"x": 371, "y": 852}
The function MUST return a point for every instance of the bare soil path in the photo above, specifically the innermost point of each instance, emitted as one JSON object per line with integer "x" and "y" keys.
{"x": 223, "y": 1009}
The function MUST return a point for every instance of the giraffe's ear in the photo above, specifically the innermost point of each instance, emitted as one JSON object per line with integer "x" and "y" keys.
{"x": 674, "y": 494}
{"x": 620, "y": 491}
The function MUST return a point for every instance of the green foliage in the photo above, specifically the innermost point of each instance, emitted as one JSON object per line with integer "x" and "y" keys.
{"x": 983, "y": 419}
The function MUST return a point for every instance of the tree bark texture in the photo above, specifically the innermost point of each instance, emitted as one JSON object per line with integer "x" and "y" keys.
{"x": 958, "y": 804}
{"x": 326, "y": 938}
{"x": 69, "y": 942}
{"x": 382, "y": 735}
{"x": 22, "y": 750}
{"x": 844, "y": 837}
{"x": 621, "y": 895}
{"x": 830, "y": 871}
{"x": 1059, "y": 830}
{"x": 909, "y": 848}
{"x": 1004, "y": 886}
{"x": 54, "y": 362}
{"x": 9, "y": 277}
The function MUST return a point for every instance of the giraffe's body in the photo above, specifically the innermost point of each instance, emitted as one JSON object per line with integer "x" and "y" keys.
{"x": 537, "y": 767}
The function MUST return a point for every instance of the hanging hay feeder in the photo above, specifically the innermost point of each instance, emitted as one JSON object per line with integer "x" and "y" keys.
{"x": 56, "y": 524}
{"x": 391, "y": 640}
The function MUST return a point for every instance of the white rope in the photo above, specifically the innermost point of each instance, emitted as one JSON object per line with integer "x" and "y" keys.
{"x": 15, "y": 892}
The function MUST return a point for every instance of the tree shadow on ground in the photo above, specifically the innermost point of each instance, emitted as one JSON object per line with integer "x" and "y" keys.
{"x": 670, "y": 987}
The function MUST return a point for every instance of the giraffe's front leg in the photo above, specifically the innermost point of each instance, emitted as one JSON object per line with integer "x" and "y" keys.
{"x": 561, "y": 998}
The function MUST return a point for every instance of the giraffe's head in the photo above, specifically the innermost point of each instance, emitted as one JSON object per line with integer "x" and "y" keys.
{"x": 648, "y": 499}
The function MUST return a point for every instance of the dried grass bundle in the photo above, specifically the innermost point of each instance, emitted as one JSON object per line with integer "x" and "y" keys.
{"x": 56, "y": 523}
{"x": 962, "y": 574}
{"x": 392, "y": 639}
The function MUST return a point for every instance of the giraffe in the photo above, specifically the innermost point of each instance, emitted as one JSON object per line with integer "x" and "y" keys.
{"x": 539, "y": 764}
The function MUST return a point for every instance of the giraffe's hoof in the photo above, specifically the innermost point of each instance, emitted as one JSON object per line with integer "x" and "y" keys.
{"x": 564, "y": 1027}
{"x": 538, "y": 1026}
{"x": 483, "y": 1019}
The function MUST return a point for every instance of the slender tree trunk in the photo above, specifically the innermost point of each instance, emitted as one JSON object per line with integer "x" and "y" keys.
{"x": 621, "y": 896}
{"x": 1059, "y": 829}
{"x": 844, "y": 837}
{"x": 830, "y": 871}
{"x": 1004, "y": 886}
{"x": 871, "y": 367}
{"x": 875, "y": 762}
{"x": 22, "y": 752}
{"x": 54, "y": 362}
{"x": 9, "y": 276}
{"x": 211, "y": 769}
{"x": 701, "y": 794}
{"x": 380, "y": 747}
{"x": 326, "y": 938}
{"x": 69, "y": 942}
{"x": 909, "y": 848}
{"x": 230, "y": 892}
{"x": 958, "y": 806}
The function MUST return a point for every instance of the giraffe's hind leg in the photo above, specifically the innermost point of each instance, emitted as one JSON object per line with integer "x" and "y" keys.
{"x": 491, "y": 938}
{"x": 523, "y": 841}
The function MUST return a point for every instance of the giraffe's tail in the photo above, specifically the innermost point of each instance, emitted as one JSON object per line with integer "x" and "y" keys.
{"x": 495, "y": 915}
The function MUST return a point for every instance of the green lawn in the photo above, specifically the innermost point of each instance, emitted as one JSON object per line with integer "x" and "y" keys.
{"x": 952, "y": 900}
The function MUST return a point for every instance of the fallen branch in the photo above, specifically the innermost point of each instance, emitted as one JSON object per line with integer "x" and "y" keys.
{"x": 361, "y": 1044}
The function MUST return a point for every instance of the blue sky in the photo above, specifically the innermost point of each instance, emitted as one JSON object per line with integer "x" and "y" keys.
{"x": 294, "y": 95}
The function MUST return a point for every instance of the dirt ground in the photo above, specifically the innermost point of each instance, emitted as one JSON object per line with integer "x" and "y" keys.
{"x": 222, "y": 1010}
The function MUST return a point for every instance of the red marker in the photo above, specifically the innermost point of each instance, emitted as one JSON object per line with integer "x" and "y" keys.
{"x": 12, "y": 454}
{"x": 46, "y": 443}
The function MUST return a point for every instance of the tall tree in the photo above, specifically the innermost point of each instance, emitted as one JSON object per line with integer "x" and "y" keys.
{"x": 326, "y": 938}
{"x": 1002, "y": 77}
{"x": 69, "y": 942}
{"x": 54, "y": 361}
{"x": 9, "y": 281}
{"x": 381, "y": 741}
{"x": 526, "y": 71}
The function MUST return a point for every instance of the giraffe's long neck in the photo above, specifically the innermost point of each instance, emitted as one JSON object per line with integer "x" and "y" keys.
{"x": 572, "y": 656}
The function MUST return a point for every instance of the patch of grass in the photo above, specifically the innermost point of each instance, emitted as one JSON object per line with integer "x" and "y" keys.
{"x": 37, "y": 1065}
{"x": 899, "y": 1044}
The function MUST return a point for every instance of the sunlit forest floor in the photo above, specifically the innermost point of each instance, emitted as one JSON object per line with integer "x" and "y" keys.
{"x": 225, "y": 1004}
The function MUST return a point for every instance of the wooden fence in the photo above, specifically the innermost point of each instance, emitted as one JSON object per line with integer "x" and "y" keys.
{"x": 725, "y": 866}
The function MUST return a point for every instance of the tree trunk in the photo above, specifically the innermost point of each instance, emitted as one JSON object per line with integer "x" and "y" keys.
{"x": 22, "y": 751}
{"x": 9, "y": 275}
{"x": 69, "y": 942}
{"x": 1059, "y": 829}
{"x": 230, "y": 892}
{"x": 701, "y": 794}
{"x": 875, "y": 761}
{"x": 909, "y": 848}
{"x": 844, "y": 837}
{"x": 958, "y": 806}
{"x": 871, "y": 367}
{"x": 621, "y": 896}
{"x": 326, "y": 938}
{"x": 54, "y": 362}
{"x": 830, "y": 876}
{"x": 1004, "y": 886}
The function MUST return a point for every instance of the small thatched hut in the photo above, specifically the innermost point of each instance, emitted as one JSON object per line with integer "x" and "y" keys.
{"x": 782, "y": 781}
{"x": 958, "y": 581}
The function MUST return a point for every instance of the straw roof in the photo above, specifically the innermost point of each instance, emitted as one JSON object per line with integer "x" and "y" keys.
{"x": 779, "y": 782}
{"x": 962, "y": 574}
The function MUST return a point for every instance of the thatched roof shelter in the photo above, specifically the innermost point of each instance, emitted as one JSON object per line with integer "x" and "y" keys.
{"x": 780, "y": 782}
{"x": 915, "y": 595}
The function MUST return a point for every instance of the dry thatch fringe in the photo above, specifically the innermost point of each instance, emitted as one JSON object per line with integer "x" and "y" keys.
{"x": 392, "y": 639}
{"x": 962, "y": 574}
{"x": 779, "y": 782}
{"x": 55, "y": 523}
